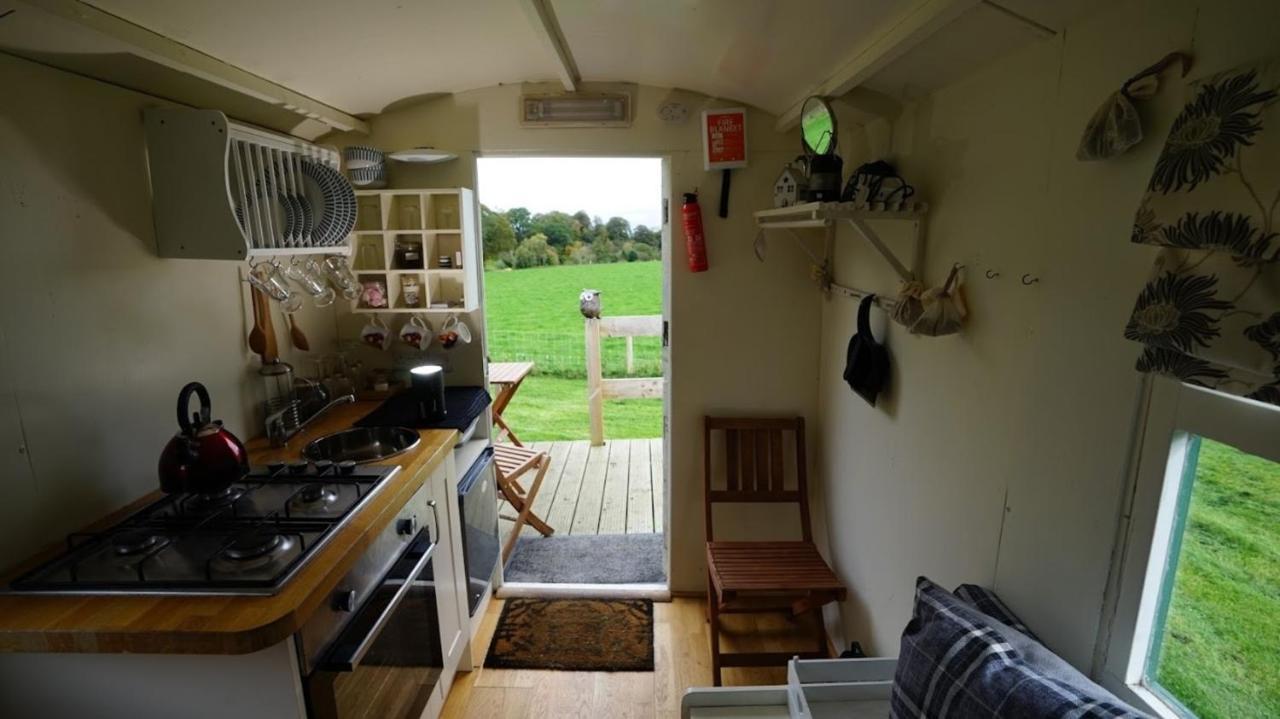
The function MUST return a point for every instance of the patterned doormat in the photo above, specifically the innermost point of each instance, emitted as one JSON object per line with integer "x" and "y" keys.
{"x": 575, "y": 635}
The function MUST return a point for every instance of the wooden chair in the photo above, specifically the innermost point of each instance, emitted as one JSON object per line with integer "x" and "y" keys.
{"x": 757, "y": 577}
{"x": 511, "y": 463}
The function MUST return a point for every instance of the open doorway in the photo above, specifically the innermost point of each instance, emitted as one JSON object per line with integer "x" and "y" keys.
{"x": 574, "y": 315}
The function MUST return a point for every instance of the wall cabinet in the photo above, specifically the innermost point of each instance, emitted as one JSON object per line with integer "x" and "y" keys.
{"x": 423, "y": 245}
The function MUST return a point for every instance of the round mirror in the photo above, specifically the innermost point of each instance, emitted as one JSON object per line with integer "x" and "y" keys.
{"x": 817, "y": 126}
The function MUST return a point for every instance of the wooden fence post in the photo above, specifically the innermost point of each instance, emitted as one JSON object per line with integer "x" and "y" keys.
{"x": 631, "y": 355}
{"x": 595, "y": 382}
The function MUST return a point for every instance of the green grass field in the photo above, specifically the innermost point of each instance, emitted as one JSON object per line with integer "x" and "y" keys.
{"x": 532, "y": 314}
{"x": 1221, "y": 652}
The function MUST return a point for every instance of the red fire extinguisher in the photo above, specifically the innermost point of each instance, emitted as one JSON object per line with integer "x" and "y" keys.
{"x": 695, "y": 242}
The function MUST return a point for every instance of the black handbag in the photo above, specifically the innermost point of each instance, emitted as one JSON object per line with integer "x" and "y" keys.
{"x": 866, "y": 366}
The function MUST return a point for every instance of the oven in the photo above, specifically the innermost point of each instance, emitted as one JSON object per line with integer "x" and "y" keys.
{"x": 387, "y": 659}
{"x": 477, "y": 495}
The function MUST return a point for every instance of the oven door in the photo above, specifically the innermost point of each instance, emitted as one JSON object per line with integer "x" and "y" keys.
{"x": 477, "y": 495}
{"x": 387, "y": 661}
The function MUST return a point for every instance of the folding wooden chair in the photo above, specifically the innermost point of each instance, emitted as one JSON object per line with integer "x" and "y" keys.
{"x": 512, "y": 462}
{"x": 785, "y": 576}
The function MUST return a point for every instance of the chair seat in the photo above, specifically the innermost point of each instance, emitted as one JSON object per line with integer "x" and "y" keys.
{"x": 794, "y": 567}
{"x": 511, "y": 458}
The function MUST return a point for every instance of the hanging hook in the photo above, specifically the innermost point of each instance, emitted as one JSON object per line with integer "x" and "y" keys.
{"x": 992, "y": 274}
{"x": 1030, "y": 281}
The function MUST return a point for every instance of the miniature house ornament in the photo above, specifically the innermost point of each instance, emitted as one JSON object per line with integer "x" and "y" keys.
{"x": 788, "y": 188}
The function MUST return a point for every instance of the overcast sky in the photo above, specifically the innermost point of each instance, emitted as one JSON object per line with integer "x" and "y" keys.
{"x": 604, "y": 187}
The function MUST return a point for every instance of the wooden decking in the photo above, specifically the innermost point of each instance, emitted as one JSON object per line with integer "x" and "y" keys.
{"x": 613, "y": 489}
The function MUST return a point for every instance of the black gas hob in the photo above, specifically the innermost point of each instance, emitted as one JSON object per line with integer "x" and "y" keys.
{"x": 249, "y": 539}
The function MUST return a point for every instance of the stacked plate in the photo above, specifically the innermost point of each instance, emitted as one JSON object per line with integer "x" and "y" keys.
{"x": 327, "y": 189}
{"x": 366, "y": 166}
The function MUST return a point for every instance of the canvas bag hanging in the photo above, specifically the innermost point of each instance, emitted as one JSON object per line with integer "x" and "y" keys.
{"x": 942, "y": 309}
{"x": 909, "y": 307}
{"x": 1117, "y": 126}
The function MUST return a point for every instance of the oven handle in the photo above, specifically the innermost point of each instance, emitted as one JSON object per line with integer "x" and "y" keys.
{"x": 350, "y": 661}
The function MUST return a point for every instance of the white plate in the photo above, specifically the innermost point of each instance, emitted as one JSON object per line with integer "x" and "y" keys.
{"x": 423, "y": 154}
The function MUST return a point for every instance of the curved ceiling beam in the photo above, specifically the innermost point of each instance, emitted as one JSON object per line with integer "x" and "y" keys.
{"x": 890, "y": 43}
{"x": 543, "y": 18}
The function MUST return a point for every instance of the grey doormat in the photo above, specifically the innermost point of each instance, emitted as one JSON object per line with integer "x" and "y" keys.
{"x": 588, "y": 559}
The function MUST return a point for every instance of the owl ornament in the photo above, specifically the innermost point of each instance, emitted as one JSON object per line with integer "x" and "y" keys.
{"x": 589, "y": 304}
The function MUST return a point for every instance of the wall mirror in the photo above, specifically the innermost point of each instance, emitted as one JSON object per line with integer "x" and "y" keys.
{"x": 817, "y": 126}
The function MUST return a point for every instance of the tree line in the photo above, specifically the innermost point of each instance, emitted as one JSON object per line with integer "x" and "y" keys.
{"x": 518, "y": 239}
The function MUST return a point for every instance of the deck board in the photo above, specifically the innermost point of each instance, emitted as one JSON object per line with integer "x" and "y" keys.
{"x": 639, "y": 490}
{"x": 614, "y": 489}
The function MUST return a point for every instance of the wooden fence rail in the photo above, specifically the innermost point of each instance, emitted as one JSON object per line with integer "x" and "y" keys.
{"x": 598, "y": 388}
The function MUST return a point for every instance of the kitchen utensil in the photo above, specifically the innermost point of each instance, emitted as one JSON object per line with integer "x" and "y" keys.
{"x": 295, "y": 334}
{"x": 307, "y": 274}
{"x": 427, "y": 384}
{"x": 422, "y": 154}
{"x": 270, "y": 278}
{"x": 452, "y": 331}
{"x": 204, "y": 457}
{"x": 257, "y": 336}
{"x": 271, "y": 352}
{"x": 341, "y": 277}
{"x": 334, "y": 199}
{"x": 375, "y": 334}
{"x": 359, "y": 157}
{"x": 416, "y": 333}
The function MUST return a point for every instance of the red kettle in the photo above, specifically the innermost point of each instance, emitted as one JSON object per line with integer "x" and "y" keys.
{"x": 204, "y": 457}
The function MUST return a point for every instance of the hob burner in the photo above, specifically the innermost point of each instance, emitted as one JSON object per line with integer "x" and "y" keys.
{"x": 128, "y": 544}
{"x": 316, "y": 494}
{"x": 252, "y": 545}
{"x": 211, "y": 502}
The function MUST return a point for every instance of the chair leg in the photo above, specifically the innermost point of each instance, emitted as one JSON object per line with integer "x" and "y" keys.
{"x": 820, "y": 632}
{"x": 713, "y": 614}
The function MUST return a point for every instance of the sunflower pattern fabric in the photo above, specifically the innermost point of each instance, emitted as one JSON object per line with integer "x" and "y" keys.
{"x": 1210, "y": 313}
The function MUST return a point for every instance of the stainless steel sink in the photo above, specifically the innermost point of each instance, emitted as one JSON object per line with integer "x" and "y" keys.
{"x": 361, "y": 444}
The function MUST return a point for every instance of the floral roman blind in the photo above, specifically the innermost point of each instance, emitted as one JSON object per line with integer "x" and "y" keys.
{"x": 1210, "y": 313}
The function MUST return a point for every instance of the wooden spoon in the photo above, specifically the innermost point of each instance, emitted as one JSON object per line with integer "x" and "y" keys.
{"x": 272, "y": 351}
{"x": 257, "y": 336}
{"x": 295, "y": 334}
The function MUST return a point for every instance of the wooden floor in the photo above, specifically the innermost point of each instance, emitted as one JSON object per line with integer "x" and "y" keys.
{"x": 612, "y": 489}
{"x": 682, "y": 659}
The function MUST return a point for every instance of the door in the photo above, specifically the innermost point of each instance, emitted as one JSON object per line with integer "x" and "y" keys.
{"x": 449, "y": 573}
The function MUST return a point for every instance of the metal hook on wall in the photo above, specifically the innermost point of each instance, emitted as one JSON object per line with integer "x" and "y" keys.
{"x": 1029, "y": 280}
{"x": 992, "y": 274}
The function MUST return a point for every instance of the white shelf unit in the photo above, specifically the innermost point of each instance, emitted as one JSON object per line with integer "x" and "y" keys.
{"x": 201, "y": 168}
{"x": 826, "y": 215}
{"x": 437, "y": 223}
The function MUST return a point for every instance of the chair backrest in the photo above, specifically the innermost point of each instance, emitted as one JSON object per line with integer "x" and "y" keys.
{"x": 755, "y": 469}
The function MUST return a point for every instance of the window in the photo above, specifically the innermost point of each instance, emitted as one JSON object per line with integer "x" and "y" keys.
{"x": 1196, "y": 625}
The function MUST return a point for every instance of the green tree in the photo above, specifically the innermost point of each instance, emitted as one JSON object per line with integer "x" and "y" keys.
{"x": 584, "y": 222}
{"x": 520, "y": 218}
{"x": 556, "y": 226}
{"x": 580, "y": 253}
{"x": 619, "y": 230}
{"x": 646, "y": 236}
{"x": 633, "y": 251}
{"x": 534, "y": 251}
{"x": 499, "y": 237}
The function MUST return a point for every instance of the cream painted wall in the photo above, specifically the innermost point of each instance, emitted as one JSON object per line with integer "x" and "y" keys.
{"x": 743, "y": 335}
{"x": 97, "y": 333}
{"x": 999, "y": 455}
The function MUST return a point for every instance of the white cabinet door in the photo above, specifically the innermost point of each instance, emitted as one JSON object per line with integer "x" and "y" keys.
{"x": 446, "y": 569}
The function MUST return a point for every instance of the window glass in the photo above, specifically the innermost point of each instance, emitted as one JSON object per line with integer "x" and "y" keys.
{"x": 1216, "y": 644}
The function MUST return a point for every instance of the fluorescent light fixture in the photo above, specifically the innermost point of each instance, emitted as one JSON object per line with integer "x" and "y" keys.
{"x": 577, "y": 110}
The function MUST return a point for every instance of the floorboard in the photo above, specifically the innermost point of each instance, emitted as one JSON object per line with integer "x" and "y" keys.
{"x": 613, "y": 510}
{"x": 681, "y": 660}
{"x": 659, "y": 477}
{"x": 639, "y": 490}
{"x": 586, "y": 517}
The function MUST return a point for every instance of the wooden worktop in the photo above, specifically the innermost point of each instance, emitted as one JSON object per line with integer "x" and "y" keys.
{"x": 219, "y": 624}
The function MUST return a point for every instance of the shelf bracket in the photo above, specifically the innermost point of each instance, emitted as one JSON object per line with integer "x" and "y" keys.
{"x": 870, "y": 236}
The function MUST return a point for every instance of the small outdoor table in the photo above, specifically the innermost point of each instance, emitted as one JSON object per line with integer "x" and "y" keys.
{"x": 506, "y": 378}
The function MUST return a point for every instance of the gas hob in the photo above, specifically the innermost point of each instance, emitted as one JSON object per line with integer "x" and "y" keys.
{"x": 249, "y": 539}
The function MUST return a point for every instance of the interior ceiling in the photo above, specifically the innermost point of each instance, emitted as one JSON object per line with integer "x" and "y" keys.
{"x": 361, "y": 57}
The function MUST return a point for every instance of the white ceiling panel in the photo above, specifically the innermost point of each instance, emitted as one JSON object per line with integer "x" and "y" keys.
{"x": 763, "y": 52}
{"x": 356, "y": 55}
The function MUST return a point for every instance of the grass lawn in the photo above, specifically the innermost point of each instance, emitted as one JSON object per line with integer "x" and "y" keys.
{"x": 1221, "y": 652}
{"x": 532, "y": 314}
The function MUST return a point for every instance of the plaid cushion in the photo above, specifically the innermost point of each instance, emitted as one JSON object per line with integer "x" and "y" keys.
{"x": 986, "y": 601}
{"x": 956, "y": 662}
